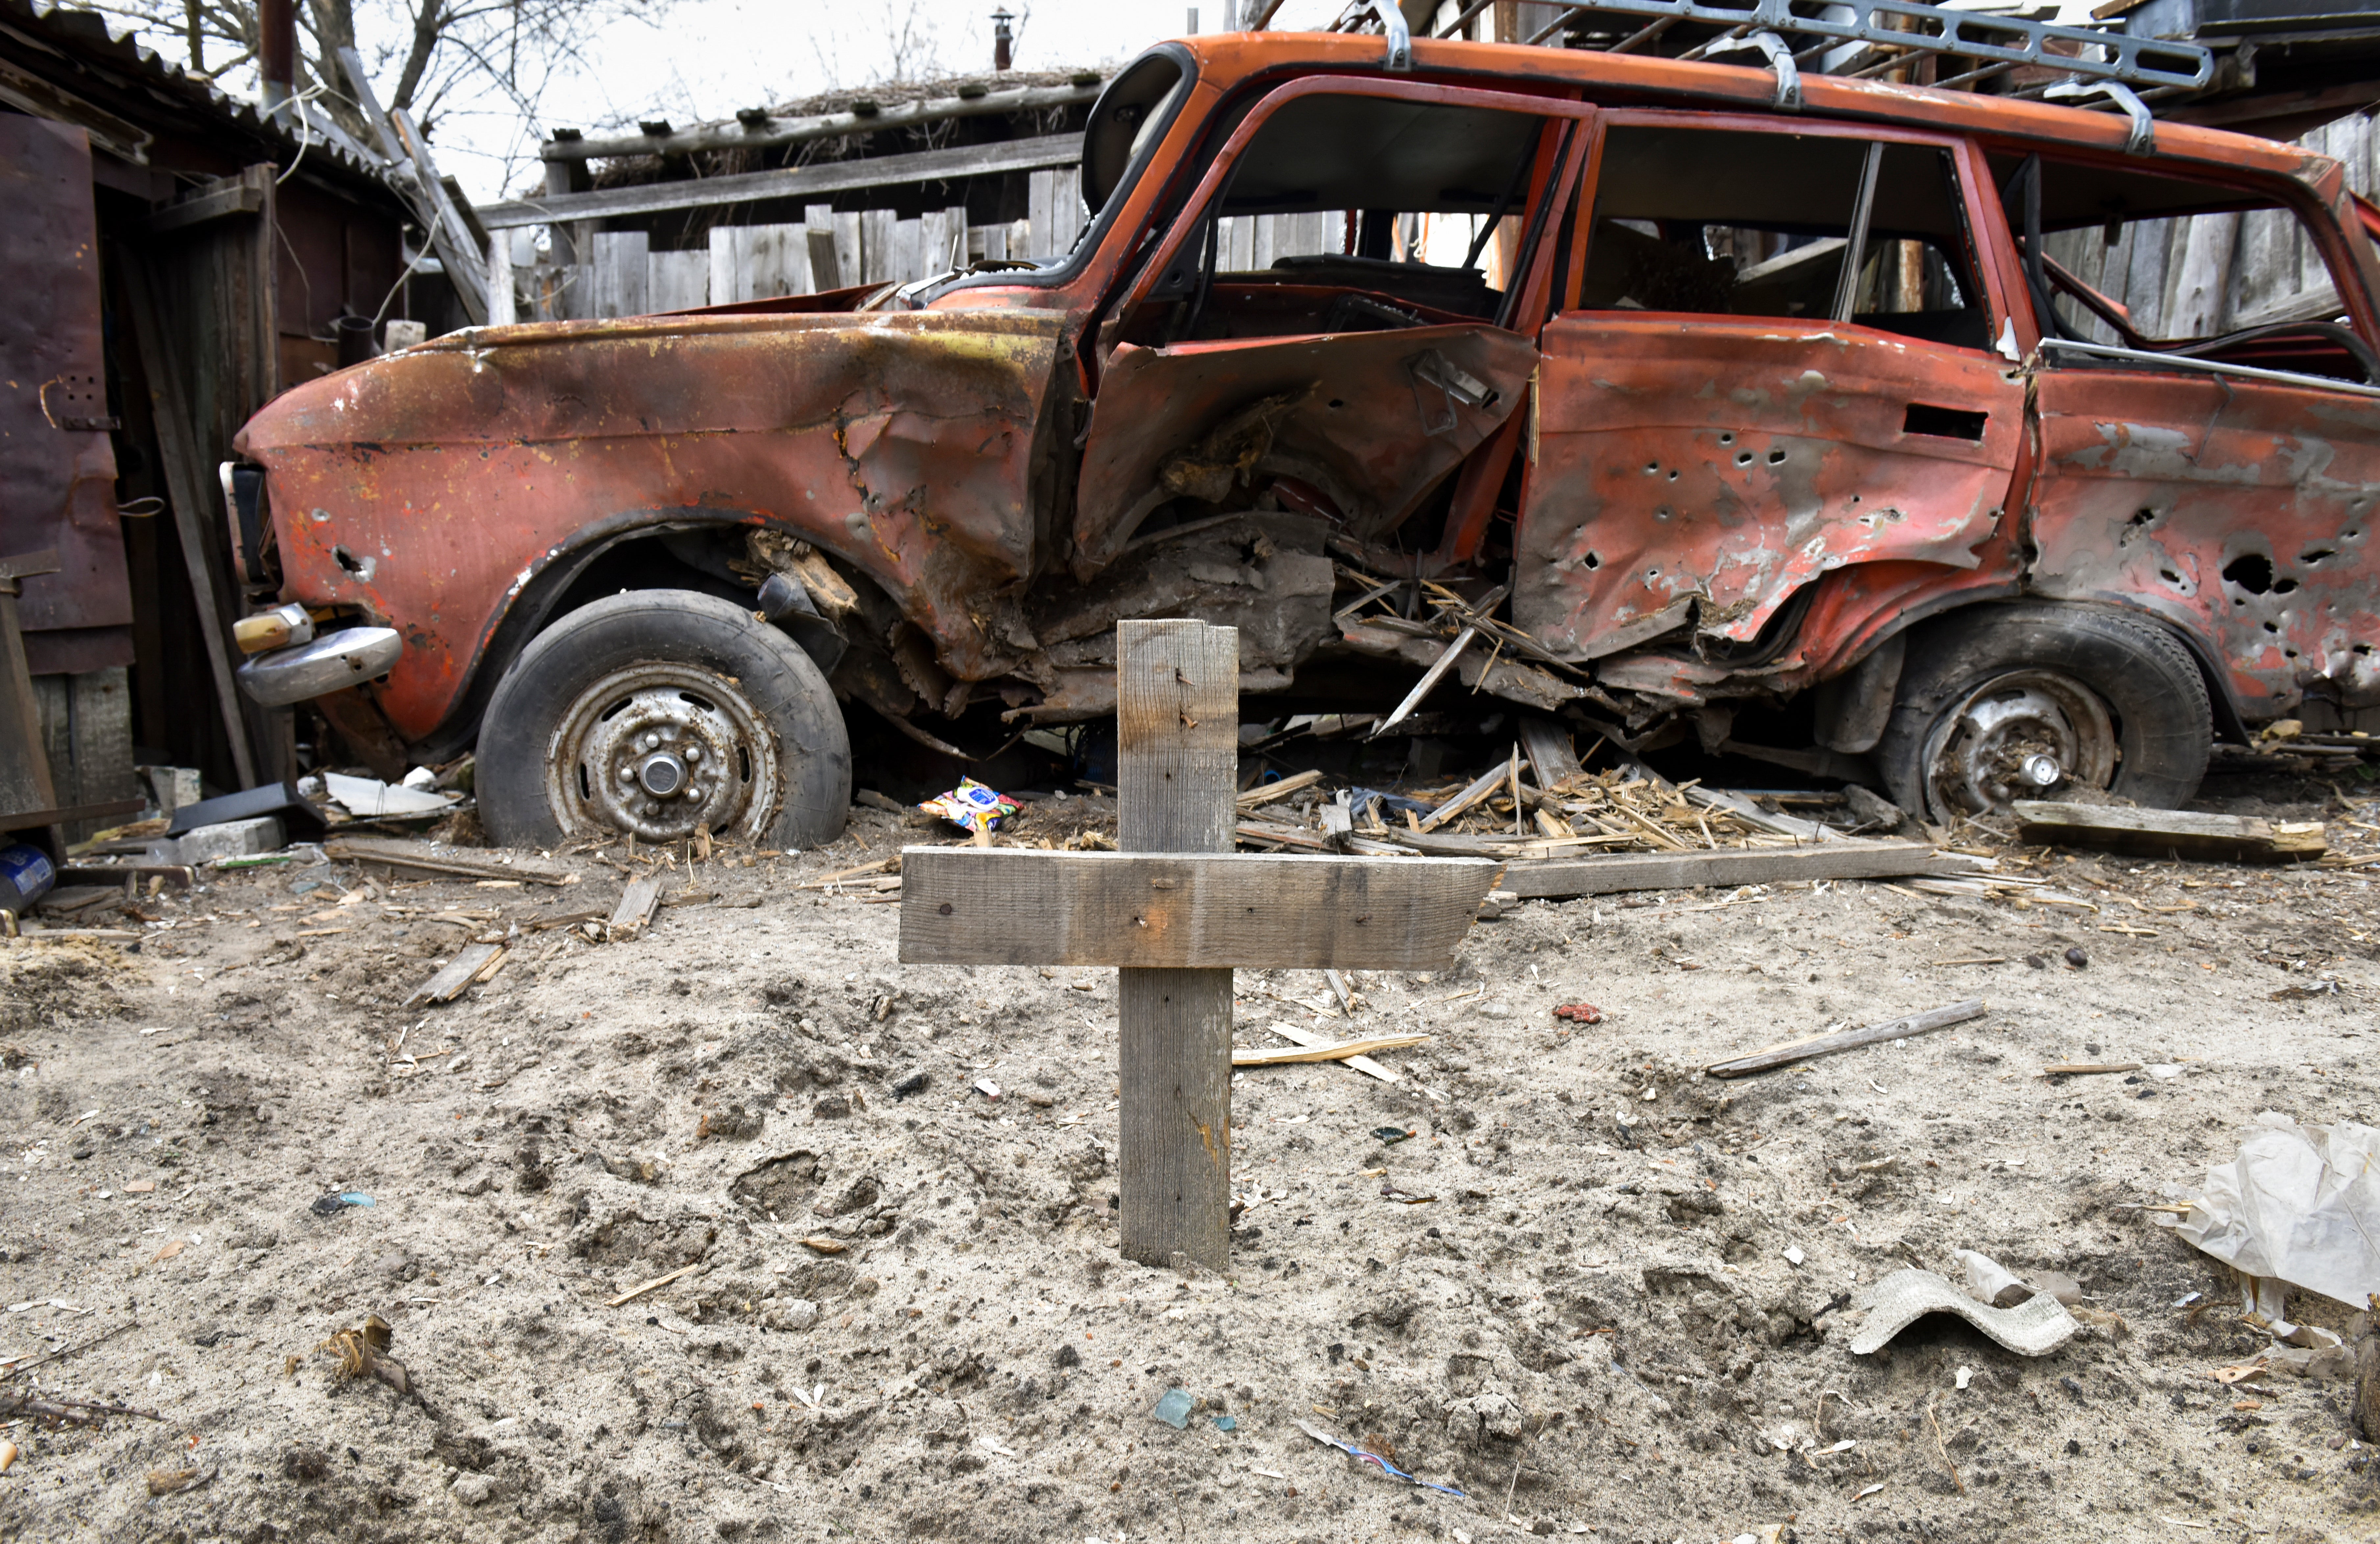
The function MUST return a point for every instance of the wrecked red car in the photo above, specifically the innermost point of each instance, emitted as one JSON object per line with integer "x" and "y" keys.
{"x": 1817, "y": 428}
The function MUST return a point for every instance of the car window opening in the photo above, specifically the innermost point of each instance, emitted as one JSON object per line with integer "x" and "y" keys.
{"x": 1398, "y": 215}
{"x": 2150, "y": 267}
{"x": 1743, "y": 223}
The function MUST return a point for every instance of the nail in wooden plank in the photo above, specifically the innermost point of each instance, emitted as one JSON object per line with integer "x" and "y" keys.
{"x": 1848, "y": 1039}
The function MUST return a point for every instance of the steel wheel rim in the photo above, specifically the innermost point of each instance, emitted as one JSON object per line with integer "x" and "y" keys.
{"x": 2006, "y": 738}
{"x": 663, "y": 750}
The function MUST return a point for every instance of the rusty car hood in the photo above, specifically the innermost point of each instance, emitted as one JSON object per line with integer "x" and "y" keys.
{"x": 410, "y": 488}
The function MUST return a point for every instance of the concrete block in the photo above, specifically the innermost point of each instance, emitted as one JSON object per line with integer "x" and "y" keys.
{"x": 230, "y": 839}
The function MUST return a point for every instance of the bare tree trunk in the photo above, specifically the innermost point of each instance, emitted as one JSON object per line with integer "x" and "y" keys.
{"x": 198, "y": 36}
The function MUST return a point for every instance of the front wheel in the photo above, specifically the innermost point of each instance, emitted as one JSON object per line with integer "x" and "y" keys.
{"x": 2035, "y": 700}
{"x": 660, "y": 712}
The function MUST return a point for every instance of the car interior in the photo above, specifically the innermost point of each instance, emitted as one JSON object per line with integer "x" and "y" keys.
{"x": 1737, "y": 223}
{"x": 1409, "y": 198}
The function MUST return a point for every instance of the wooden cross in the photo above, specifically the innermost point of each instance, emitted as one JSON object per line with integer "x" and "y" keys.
{"x": 1175, "y": 911}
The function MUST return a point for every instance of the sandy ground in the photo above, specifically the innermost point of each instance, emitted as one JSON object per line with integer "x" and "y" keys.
{"x": 1590, "y": 1326}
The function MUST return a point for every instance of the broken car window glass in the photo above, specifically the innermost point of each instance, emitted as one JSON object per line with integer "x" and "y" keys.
{"x": 1737, "y": 222}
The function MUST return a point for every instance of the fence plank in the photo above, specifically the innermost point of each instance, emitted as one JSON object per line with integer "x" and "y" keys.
{"x": 1038, "y": 186}
{"x": 1066, "y": 208}
{"x": 876, "y": 245}
{"x": 908, "y": 250}
{"x": 623, "y": 274}
{"x": 677, "y": 281}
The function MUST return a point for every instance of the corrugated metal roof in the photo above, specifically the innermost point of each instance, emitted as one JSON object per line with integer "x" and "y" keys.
{"x": 92, "y": 36}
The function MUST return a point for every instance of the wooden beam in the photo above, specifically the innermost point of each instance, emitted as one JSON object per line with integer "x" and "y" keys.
{"x": 463, "y": 257}
{"x": 232, "y": 195}
{"x": 476, "y": 864}
{"x": 769, "y": 133}
{"x": 794, "y": 182}
{"x": 2170, "y": 832}
{"x": 1177, "y": 763}
{"x": 1835, "y": 860}
{"x": 1186, "y": 911}
{"x": 1827, "y": 1045}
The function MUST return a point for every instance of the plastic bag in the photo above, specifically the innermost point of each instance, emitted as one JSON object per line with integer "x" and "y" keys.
{"x": 2299, "y": 1204}
{"x": 971, "y": 805}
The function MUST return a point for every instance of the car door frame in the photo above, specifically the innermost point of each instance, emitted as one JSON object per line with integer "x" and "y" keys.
{"x": 1855, "y": 605}
{"x": 1558, "y": 177}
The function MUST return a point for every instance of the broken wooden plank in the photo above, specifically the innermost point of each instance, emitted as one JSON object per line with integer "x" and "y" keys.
{"x": 1429, "y": 680}
{"x": 2170, "y": 832}
{"x": 638, "y": 901}
{"x": 1682, "y": 870}
{"x": 1309, "y": 1037}
{"x": 1827, "y": 1045}
{"x": 425, "y": 858}
{"x": 1264, "y": 793}
{"x": 1329, "y": 1051}
{"x": 1185, "y": 910}
{"x": 457, "y": 973}
{"x": 1551, "y": 753}
{"x": 1483, "y": 786}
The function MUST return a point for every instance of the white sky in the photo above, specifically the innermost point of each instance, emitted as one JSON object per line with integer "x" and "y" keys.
{"x": 717, "y": 55}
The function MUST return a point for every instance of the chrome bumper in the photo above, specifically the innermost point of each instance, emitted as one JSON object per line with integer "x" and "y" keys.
{"x": 332, "y": 662}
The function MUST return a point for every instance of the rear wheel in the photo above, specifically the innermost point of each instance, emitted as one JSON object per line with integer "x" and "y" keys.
{"x": 2037, "y": 700}
{"x": 662, "y": 713}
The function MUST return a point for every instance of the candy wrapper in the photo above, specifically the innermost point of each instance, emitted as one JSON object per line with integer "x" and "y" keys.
{"x": 971, "y": 805}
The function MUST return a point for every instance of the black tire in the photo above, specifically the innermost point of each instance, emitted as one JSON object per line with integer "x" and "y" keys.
{"x": 717, "y": 693}
{"x": 2147, "y": 687}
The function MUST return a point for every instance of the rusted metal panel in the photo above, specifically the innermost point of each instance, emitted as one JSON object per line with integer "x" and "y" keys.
{"x": 1370, "y": 420}
{"x": 2241, "y": 511}
{"x": 57, "y": 467}
{"x": 428, "y": 488}
{"x": 1704, "y": 468}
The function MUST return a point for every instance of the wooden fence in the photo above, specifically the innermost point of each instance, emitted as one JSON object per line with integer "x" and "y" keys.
{"x": 2214, "y": 274}
{"x": 829, "y": 250}
{"x": 2178, "y": 278}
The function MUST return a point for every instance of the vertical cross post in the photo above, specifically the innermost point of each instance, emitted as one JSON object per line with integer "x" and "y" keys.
{"x": 1177, "y": 767}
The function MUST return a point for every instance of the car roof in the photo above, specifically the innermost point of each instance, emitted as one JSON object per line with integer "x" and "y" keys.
{"x": 1227, "y": 59}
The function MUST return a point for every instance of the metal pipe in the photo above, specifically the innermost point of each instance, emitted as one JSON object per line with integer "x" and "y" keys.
{"x": 277, "y": 52}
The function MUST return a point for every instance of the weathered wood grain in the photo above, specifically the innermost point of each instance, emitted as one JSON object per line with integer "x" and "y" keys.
{"x": 1835, "y": 860}
{"x": 479, "y": 864}
{"x": 1177, "y": 766}
{"x": 637, "y": 900}
{"x": 458, "y": 973}
{"x": 1827, "y": 1045}
{"x": 2170, "y": 832}
{"x": 1007, "y": 906}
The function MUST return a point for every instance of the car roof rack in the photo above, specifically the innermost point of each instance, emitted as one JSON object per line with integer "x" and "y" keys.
{"x": 1865, "y": 38}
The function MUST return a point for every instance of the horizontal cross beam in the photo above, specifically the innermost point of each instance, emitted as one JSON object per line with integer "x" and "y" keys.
{"x": 1186, "y": 911}
{"x": 789, "y": 182}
